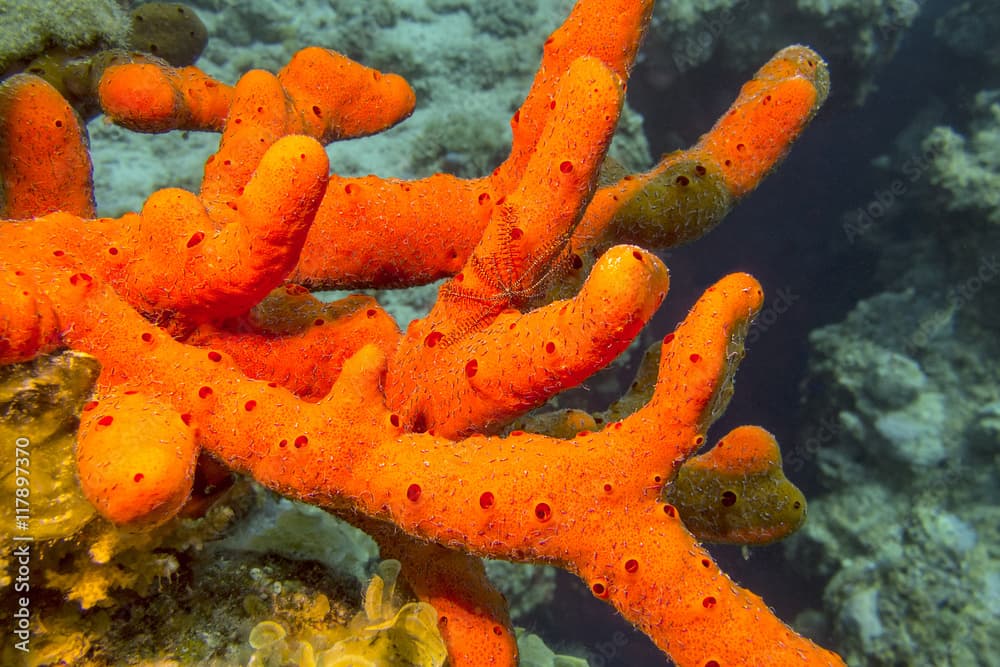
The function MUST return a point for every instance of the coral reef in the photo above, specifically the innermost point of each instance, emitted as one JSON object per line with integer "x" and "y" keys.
{"x": 858, "y": 37}
{"x": 966, "y": 168}
{"x": 396, "y": 433}
{"x": 902, "y": 399}
{"x": 468, "y": 83}
{"x": 967, "y": 29}
{"x": 908, "y": 535}
{"x": 71, "y": 44}
{"x": 32, "y": 27}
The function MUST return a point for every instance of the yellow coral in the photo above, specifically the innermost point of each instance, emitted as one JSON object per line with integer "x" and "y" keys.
{"x": 382, "y": 633}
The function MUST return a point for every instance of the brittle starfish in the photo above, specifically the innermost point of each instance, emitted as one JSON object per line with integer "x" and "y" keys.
{"x": 510, "y": 278}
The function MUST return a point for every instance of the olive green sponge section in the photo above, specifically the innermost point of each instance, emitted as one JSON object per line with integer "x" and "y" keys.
{"x": 32, "y": 26}
{"x": 39, "y": 404}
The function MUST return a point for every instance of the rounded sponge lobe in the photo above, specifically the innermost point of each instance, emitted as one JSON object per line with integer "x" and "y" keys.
{"x": 136, "y": 458}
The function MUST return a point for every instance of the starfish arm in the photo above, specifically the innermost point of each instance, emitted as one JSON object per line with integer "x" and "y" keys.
{"x": 540, "y": 212}
{"x": 520, "y": 361}
{"x": 514, "y": 260}
{"x": 359, "y": 211}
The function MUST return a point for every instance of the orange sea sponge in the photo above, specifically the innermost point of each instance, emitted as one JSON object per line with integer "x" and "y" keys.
{"x": 136, "y": 458}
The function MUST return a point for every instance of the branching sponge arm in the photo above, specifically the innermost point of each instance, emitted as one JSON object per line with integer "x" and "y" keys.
{"x": 591, "y": 506}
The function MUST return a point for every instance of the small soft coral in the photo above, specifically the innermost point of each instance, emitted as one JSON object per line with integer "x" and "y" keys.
{"x": 384, "y": 632}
